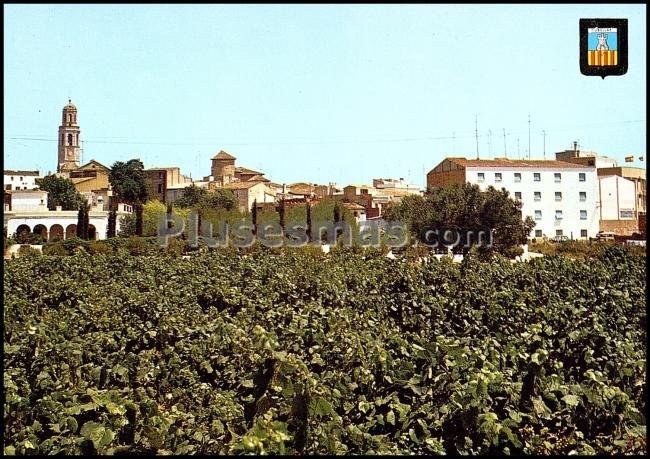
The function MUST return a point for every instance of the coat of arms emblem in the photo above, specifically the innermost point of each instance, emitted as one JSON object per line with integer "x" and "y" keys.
{"x": 603, "y": 47}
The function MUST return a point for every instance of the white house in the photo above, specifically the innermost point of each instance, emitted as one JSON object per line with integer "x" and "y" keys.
{"x": 20, "y": 180}
{"x": 561, "y": 197}
{"x": 27, "y": 212}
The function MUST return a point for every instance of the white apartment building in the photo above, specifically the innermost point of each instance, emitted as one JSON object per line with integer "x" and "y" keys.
{"x": 20, "y": 180}
{"x": 561, "y": 197}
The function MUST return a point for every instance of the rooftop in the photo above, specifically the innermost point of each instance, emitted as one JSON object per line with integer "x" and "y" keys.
{"x": 28, "y": 173}
{"x": 223, "y": 155}
{"x": 240, "y": 185}
{"x": 503, "y": 162}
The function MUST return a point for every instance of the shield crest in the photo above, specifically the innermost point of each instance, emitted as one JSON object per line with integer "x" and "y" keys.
{"x": 603, "y": 47}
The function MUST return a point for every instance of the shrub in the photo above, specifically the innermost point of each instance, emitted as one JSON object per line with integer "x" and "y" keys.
{"x": 55, "y": 248}
{"x": 28, "y": 251}
{"x": 97, "y": 247}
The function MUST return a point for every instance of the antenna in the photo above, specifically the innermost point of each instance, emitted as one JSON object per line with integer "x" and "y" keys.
{"x": 505, "y": 150}
{"x": 490, "y": 141}
{"x": 528, "y": 136}
{"x": 476, "y": 133}
{"x": 544, "y": 136}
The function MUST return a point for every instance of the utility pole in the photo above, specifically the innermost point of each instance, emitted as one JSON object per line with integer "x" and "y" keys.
{"x": 544, "y": 137}
{"x": 529, "y": 136}
{"x": 476, "y": 133}
{"x": 505, "y": 149}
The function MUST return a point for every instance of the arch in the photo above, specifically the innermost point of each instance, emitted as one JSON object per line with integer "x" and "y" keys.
{"x": 22, "y": 233}
{"x": 70, "y": 231}
{"x": 69, "y": 139}
{"x": 92, "y": 233}
{"x": 41, "y": 230}
{"x": 56, "y": 233}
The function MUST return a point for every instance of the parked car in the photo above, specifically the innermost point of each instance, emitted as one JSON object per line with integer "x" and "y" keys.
{"x": 560, "y": 238}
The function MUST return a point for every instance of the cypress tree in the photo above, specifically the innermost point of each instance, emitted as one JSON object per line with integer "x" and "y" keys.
{"x": 308, "y": 221}
{"x": 281, "y": 212}
{"x": 80, "y": 220}
{"x": 138, "y": 219}
{"x": 254, "y": 211}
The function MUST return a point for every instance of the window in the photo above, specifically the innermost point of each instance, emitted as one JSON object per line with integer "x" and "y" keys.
{"x": 12, "y": 178}
{"x": 582, "y": 177}
{"x": 8, "y": 187}
{"x": 558, "y": 195}
{"x": 161, "y": 175}
{"x": 160, "y": 188}
{"x": 518, "y": 195}
{"x": 558, "y": 232}
{"x": 517, "y": 176}
{"x": 583, "y": 233}
{"x": 583, "y": 196}
{"x": 626, "y": 214}
{"x": 583, "y": 215}
{"x": 69, "y": 139}
{"x": 538, "y": 215}
{"x": 537, "y": 177}
{"x": 481, "y": 177}
{"x": 538, "y": 195}
{"x": 498, "y": 177}
{"x": 538, "y": 233}
{"x": 558, "y": 215}
{"x": 558, "y": 177}
{"x": 21, "y": 179}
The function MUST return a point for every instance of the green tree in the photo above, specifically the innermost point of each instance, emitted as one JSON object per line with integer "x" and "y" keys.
{"x": 466, "y": 208}
{"x": 129, "y": 185}
{"x": 61, "y": 192}
{"x": 202, "y": 199}
{"x": 128, "y": 181}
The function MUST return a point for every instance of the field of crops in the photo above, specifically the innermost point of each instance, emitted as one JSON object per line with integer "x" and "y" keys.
{"x": 338, "y": 353}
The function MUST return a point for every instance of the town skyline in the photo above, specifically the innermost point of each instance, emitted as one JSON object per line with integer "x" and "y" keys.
{"x": 306, "y": 121}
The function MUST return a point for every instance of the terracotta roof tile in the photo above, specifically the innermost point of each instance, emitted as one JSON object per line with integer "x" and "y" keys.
{"x": 542, "y": 163}
{"x": 223, "y": 155}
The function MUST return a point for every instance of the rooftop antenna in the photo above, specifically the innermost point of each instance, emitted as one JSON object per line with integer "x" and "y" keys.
{"x": 476, "y": 133}
{"x": 529, "y": 136}
{"x": 544, "y": 137}
{"x": 490, "y": 141}
{"x": 505, "y": 150}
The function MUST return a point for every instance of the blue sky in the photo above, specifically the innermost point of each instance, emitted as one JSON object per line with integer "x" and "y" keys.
{"x": 323, "y": 93}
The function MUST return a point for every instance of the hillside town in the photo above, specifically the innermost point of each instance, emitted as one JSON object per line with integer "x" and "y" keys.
{"x": 578, "y": 195}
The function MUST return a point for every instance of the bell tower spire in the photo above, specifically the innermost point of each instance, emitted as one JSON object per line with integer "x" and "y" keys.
{"x": 69, "y": 145}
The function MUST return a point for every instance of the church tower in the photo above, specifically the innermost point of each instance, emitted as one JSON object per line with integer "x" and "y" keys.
{"x": 69, "y": 150}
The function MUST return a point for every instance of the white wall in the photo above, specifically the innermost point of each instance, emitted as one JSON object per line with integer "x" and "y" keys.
{"x": 29, "y": 200}
{"x": 20, "y": 182}
{"x": 570, "y": 187}
{"x": 617, "y": 195}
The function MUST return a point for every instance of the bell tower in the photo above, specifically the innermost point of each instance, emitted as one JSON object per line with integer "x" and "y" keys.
{"x": 69, "y": 149}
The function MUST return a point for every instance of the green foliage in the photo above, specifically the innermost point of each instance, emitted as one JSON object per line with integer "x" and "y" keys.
{"x": 202, "y": 199}
{"x": 55, "y": 248}
{"x": 28, "y": 251}
{"x": 468, "y": 208}
{"x": 152, "y": 214}
{"x": 60, "y": 192}
{"x": 302, "y": 353}
{"x": 582, "y": 250}
{"x": 128, "y": 181}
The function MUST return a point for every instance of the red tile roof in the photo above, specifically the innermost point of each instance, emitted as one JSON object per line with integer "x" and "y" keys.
{"x": 542, "y": 163}
{"x": 223, "y": 155}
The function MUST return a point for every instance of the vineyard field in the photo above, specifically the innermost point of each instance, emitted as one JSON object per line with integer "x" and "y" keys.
{"x": 344, "y": 353}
